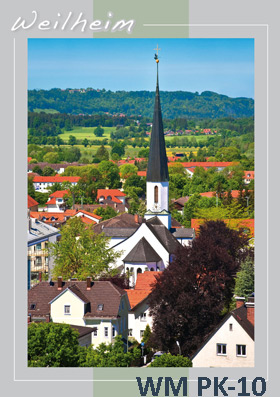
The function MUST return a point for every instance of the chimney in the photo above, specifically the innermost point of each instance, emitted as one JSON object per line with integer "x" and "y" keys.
{"x": 59, "y": 283}
{"x": 47, "y": 318}
{"x": 88, "y": 283}
{"x": 250, "y": 306}
{"x": 239, "y": 301}
{"x": 136, "y": 218}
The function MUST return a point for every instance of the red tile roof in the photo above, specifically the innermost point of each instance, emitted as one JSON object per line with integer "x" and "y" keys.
{"x": 56, "y": 178}
{"x": 142, "y": 288}
{"x": 231, "y": 223}
{"x": 142, "y": 173}
{"x": 234, "y": 193}
{"x": 87, "y": 220}
{"x": 207, "y": 164}
{"x": 31, "y": 202}
{"x": 51, "y": 201}
{"x": 90, "y": 214}
{"x": 109, "y": 192}
{"x": 59, "y": 193}
{"x": 50, "y": 217}
{"x": 249, "y": 174}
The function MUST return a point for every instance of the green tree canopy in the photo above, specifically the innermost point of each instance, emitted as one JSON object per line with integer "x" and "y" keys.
{"x": 81, "y": 253}
{"x": 72, "y": 140}
{"x": 102, "y": 153}
{"x": 98, "y": 131}
{"x": 245, "y": 278}
{"x": 52, "y": 345}
{"x": 168, "y": 360}
{"x": 110, "y": 174}
{"x": 48, "y": 171}
{"x": 127, "y": 170}
{"x": 51, "y": 157}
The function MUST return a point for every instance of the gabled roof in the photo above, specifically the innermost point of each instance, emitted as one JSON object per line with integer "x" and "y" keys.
{"x": 89, "y": 214}
{"x": 52, "y": 201}
{"x": 142, "y": 252}
{"x": 109, "y": 192}
{"x": 59, "y": 193}
{"x": 31, "y": 202}
{"x": 56, "y": 178}
{"x": 101, "y": 292}
{"x": 119, "y": 224}
{"x": 240, "y": 316}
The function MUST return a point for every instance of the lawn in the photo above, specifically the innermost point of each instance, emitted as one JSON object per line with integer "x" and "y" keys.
{"x": 86, "y": 132}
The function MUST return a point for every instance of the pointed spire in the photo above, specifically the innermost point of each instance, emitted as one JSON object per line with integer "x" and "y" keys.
{"x": 157, "y": 166}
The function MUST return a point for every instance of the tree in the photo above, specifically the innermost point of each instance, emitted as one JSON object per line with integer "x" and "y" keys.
{"x": 146, "y": 335}
{"x": 189, "y": 296}
{"x": 102, "y": 153}
{"x": 245, "y": 278}
{"x": 72, "y": 140}
{"x": 31, "y": 189}
{"x": 85, "y": 142}
{"x": 110, "y": 355}
{"x": 98, "y": 131}
{"x": 106, "y": 213}
{"x": 118, "y": 147}
{"x": 144, "y": 153}
{"x": 52, "y": 345}
{"x": 72, "y": 154}
{"x": 110, "y": 174}
{"x": 51, "y": 157}
{"x": 37, "y": 170}
{"x": 127, "y": 170}
{"x": 48, "y": 171}
{"x": 167, "y": 360}
{"x": 81, "y": 253}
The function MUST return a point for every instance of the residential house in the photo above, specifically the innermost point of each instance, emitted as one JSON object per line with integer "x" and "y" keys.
{"x": 56, "y": 201}
{"x": 39, "y": 235}
{"x": 249, "y": 176}
{"x": 220, "y": 165}
{"x": 248, "y": 225}
{"x": 42, "y": 183}
{"x": 231, "y": 344}
{"x": 139, "y": 315}
{"x": 113, "y": 195}
{"x": 99, "y": 305}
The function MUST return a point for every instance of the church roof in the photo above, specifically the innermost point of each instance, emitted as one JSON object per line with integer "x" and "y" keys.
{"x": 164, "y": 236}
{"x": 142, "y": 252}
{"x": 157, "y": 165}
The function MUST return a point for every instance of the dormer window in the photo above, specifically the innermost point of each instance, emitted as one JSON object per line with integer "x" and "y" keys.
{"x": 100, "y": 307}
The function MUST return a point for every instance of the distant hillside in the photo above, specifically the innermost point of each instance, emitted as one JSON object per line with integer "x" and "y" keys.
{"x": 174, "y": 104}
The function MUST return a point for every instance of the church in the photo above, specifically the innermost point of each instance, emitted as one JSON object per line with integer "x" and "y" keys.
{"x": 149, "y": 243}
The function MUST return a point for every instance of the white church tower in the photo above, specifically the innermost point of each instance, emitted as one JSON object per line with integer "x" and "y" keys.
{"x": 157, "y": 172}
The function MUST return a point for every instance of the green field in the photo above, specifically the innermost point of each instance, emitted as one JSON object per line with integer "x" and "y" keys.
{"x": 86, "y": 132}
{"x": 49, "y": 111}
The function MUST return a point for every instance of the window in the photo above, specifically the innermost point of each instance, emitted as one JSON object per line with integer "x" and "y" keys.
{"x": 67, "y": 309}
{"x": 100, "y": 307}
{"x": 106, "y": 334}
{"x": 113, "y": 332}
{"x": 230, "y": 327}
{"x": 221, "y": 349}
{"x": 38, "y": 247}
{"x": 95, "y": 332}
{"x": 141, "y": 334}
{"x": 33, "y": 306}
{"x": 241, "y": 350}
{"x": 156, "y": 194}
{"x": 143, "y": 317}
{"x": 130, "y": 332}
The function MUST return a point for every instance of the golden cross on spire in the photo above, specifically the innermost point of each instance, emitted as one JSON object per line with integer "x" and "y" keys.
{"x": 156, "y": 55}
{"x": 157, "y": 49}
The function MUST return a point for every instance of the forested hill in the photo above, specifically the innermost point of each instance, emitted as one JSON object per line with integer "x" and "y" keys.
{"x": 174, "y": 103}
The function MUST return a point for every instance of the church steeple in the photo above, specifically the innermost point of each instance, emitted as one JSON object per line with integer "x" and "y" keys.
{"x": 157, "y": 172}
{"x": 157, "y": 166}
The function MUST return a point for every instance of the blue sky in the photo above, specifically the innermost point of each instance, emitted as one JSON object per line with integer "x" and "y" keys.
{"x": 225, "y": 66}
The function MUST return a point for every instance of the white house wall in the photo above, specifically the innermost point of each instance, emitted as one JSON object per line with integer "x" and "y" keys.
{"x": 136, "y": 324}
{"x": 207, "y": 356}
